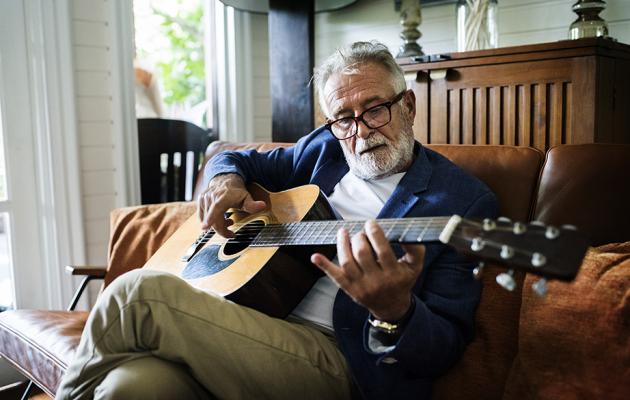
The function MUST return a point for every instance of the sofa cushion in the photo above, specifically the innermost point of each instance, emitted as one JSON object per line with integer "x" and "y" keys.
{"x": 137, "y": 233}
{"x": 575, "y": 342}
{"x": 40, "y": 343}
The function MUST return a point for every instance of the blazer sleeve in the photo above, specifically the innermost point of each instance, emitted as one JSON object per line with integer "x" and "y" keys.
{"x": 271, "y": 169}
{"x": 278, "y": 169}
{"x": 446, "y": 298}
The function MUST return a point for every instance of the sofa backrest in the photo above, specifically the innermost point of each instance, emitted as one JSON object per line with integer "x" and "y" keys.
{"x": 587, "y": 185}
{"x": 511, "y": 172}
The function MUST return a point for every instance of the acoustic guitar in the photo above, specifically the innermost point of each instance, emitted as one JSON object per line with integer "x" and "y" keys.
{"x": 266, "y": 265}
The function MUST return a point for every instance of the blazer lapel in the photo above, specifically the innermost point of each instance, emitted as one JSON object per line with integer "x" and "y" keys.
{"x": 329, "y": 174}
{"x": 407, "y": 193}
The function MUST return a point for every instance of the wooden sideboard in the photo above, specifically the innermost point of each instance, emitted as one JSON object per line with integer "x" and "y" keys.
{"x": 573, "y": 91}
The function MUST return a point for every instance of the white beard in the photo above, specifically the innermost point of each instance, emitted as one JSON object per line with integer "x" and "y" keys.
{"x": 384, "y": 161}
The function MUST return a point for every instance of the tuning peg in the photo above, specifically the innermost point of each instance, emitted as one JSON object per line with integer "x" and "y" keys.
{"x": 519, "y": 228}
{"x": 478, "y": 271}
{"x": 504, "y": 219}
{"x": 489, "y": 225}
{"x": 538, "y": 260}
{"x": 477, "y": 244}
{"x": 552, "y": 232}
{"x": 537, "y": 223}
{"x": 506, "y": 280}
{"x": 540, "y": 287}
{"x": 569, "y": 227}
{"x": 507, "y": 252}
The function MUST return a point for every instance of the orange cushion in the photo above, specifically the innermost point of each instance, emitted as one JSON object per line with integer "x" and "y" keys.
{"x": 137, "y": 233}
{"x": 575, "y": 342}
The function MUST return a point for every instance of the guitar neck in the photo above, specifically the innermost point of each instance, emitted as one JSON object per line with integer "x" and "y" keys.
{"x": 397, "y": 230}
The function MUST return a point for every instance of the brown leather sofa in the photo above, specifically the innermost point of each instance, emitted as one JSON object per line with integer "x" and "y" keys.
{"x": 573, "y": 343}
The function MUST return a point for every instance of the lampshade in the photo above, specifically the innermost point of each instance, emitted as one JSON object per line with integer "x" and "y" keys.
{"x": 262, "y": 6}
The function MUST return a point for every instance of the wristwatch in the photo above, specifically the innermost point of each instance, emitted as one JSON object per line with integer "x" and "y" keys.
{"x": 393, "y": 328}
{"x": 383, "y": 326}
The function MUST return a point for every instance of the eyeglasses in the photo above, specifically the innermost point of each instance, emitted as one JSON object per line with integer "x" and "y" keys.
{"x": 374, "y": 117}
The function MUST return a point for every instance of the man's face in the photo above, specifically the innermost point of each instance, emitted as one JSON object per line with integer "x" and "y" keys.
{"x": 380, "y": 152}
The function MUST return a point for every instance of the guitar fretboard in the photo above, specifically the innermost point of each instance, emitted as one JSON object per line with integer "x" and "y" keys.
{"x": 400, "y": 230}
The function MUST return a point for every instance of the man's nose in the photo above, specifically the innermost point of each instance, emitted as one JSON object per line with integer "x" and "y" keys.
{"x": 363, "y": 131}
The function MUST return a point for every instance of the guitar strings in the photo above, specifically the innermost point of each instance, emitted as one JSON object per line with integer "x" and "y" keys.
{"x": 273, "y": 236}
{"x": 384, "y": 223}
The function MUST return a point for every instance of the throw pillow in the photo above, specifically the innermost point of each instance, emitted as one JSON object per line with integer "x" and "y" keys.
{"x": 575, "y": 342}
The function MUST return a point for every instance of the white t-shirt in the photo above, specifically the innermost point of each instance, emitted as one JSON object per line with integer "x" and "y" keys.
{"x": 354, "y": 199}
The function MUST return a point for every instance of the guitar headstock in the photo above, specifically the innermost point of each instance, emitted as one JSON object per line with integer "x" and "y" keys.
{"x": 545, "y": 250}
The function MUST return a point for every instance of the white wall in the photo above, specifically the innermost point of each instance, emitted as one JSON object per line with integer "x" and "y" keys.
{"x": 520, "y": 22}
{"x": 93, "y": 76}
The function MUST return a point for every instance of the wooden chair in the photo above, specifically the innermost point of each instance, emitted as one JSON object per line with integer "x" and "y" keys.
{"x": 171, "y": 153}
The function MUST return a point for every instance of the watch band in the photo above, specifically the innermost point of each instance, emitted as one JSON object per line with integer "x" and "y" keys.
{"x": 392, "y": 328}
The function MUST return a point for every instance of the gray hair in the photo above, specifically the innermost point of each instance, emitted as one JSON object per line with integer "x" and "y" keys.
{"x": 348, "y": 59}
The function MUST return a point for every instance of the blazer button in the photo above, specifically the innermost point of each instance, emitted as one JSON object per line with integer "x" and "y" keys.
{"x": 389, "y": 360}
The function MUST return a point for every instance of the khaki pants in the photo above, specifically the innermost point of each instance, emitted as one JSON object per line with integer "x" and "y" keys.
{"x": 153, "y": 336}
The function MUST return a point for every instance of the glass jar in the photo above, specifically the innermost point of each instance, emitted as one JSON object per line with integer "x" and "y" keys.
{"x": 477, "y": 24}
{"x": 589, "y": 23}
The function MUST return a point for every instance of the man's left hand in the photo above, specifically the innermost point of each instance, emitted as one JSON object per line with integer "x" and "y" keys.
{"x": 370, "y": 274}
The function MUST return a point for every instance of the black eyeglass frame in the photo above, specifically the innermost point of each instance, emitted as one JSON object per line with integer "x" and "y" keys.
{"x": 359, "y": 118}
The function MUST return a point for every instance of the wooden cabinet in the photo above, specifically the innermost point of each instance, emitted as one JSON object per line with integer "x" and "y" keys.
{"x": 575, "y": 91}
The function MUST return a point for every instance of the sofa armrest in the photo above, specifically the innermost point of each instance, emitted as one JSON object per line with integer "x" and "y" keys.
{"x": 87, "y": 270}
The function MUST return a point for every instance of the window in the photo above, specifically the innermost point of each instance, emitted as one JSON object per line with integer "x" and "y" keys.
{"x": 170, "y": 60}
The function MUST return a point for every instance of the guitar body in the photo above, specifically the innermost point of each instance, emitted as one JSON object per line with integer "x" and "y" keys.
{"x": 272, "y": 280}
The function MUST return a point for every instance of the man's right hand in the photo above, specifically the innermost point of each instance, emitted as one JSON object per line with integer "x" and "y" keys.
{"x": 224, "y": 192}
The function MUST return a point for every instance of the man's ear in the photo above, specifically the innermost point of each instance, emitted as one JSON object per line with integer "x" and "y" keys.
{"x": 410, "y": 103}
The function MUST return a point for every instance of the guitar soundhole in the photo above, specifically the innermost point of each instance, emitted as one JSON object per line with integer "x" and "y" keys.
{"x": 243, "y": 238}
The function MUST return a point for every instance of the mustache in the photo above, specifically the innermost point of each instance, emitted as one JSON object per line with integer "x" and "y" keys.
{"x": 365, "y": 144}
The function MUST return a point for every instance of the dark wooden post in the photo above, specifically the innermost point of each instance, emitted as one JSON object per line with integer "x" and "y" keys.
{"x": 291, "y": 67}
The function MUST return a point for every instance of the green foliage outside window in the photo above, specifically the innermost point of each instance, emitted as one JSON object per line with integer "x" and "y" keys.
{"x": 181, "y": 68}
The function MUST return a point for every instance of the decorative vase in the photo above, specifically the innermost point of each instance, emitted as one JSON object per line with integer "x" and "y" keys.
{"x": 477, "y": 24}
{"x": 589, "y": 23}
{"x": 410, "y": 19}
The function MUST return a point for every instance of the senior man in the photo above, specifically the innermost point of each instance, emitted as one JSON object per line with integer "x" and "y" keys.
{"x": 383, "y": 322}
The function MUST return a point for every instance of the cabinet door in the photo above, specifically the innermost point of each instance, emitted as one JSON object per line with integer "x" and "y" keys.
{"x": 529, "y": 103}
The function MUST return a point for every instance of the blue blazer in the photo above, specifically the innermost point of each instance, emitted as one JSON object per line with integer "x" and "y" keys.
{"x": 446, "y": 293}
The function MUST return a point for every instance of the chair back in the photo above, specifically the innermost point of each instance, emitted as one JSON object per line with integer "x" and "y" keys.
{"x": 171, "y": 152}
